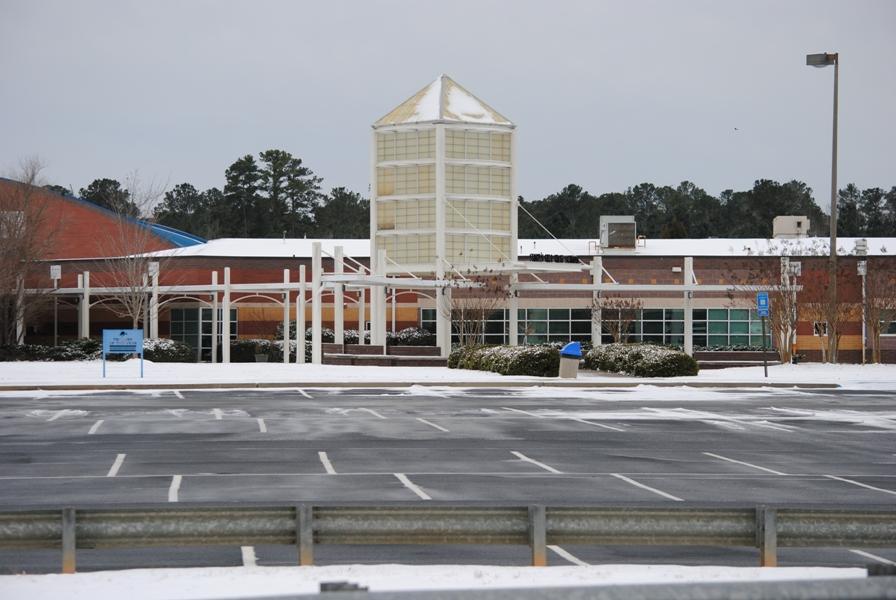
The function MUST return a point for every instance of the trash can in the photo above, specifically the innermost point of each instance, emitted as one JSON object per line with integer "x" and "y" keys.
{"x": 570, "y": 355}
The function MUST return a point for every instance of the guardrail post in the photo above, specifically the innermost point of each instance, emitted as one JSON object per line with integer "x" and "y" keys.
{"x": 538, "y": 535}
{"x": 68, "y": 540}
{"x": 767, "y": 536}
{"x": 305, "y": 535}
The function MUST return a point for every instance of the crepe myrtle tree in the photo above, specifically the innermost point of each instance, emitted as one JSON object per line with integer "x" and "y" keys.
{"x": 27, "y": 229}
{"x": 616, "y": 315}
{"x": 880, "y": 300}
{"x": 474, "y": 298}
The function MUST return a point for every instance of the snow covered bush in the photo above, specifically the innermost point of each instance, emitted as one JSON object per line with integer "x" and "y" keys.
{"x": 80, "y": 349}
{"x": 412, "y": 336}
{"x": 539, "y": 361}
{"x": 641, "y": 360}
{"x": 165, "y": 350}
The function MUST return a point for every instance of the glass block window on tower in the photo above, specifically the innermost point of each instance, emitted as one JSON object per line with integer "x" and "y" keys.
{"x": 482, "y": 181}
{"x": 405, "y": 145}
{"x": 483, "y": 215}
{"x": 477, "y": 145}
{"x": 472, "y": 248}
{"x": 405, "y": 214}
{"x": 405, "y": 180}
{"x": 408, "y": 249}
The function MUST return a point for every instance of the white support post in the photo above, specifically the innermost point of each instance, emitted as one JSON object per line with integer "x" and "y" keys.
{"x": 394, "y": 307}
{"x": 378, "y": 318}
{"x": 154, "y": 303}
{"x": 513, "y": 305}
{"x": 361, "y": 316}
{"x": 80, "y": 306}
{"x": 85, "y": 305}
{"x": 286, "y": 317}
{"x": 597, "y": 277}
{"x": 300, "y": 317}
{"x": 443, "y": 320}
{"x": 214, "y": 317}
{"x": 316, "y": 316}
{"x": 689, "y": 306}
{"x": 225, "y": 319}
{"x": 443, "y": 295}
{"x": 339, "y": 298}
{"x": 20, "y": 310}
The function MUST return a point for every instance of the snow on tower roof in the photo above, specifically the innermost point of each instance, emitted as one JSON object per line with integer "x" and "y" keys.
{"x": 443, "y": 100}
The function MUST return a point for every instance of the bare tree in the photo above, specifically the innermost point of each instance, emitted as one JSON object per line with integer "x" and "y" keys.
{"x": 125, "y": 252}
{"x": 28, "y": 227}
{"x": 829, "y": 314}
{"x": 880, "y": 300}
{"x": 474, "y": 298}
{"x": 616, "y": 315}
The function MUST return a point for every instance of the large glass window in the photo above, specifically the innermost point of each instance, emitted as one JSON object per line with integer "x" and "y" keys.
{"x": 405, "y": 145}
{"x": 472, "y": 248}
{"x": 193, "y": 326}
{"x": 405, "y": 180}
{"x": 409, "y": 249}
{"x": 483, "y": 181}
{"x": 478, "y": 214}
{"x": 477, "y": 145}
{"x": 405, "y": 214}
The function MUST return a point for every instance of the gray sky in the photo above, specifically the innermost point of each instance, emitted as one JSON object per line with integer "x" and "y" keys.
{"x": 605, "y": 94}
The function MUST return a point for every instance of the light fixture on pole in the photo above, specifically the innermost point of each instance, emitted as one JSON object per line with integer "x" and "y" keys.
{"x": 822, "y": 60}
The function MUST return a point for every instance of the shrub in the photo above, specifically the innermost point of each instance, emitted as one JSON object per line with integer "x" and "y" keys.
{"x": 165, "y": 350}
{"x": 641, "y": 360}
{"x": 412, "y": 336}
{"x": 539, "y": 361}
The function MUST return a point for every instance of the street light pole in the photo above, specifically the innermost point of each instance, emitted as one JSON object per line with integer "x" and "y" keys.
{"x": 823, "y": 60}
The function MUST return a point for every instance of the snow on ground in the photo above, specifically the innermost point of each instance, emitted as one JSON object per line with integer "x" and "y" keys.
{"x": 126, "y": 373}
{"x": 240, "y": 582}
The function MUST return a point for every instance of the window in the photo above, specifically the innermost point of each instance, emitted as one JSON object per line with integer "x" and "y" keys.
{"x": 405, "y": 145}
{"x": 473, "y": 248}
{"x": 820, "y": 328}
{"x": 405, "y": 214}
{"x": 478, "y": 214}
{"x": 193, "y": 326}
{"x": 405, "y": 180}
{"x": 888, "y": 328}
{"x": 408, "y": 249}
{"x": 482, "y": 181}
{"x": 477, "y": 145}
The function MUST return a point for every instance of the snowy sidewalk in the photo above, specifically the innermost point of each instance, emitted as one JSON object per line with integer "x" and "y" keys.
{"x": 88, "y": 375}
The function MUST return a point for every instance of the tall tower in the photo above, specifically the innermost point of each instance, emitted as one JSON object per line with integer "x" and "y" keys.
{"x": 443, "y": 193}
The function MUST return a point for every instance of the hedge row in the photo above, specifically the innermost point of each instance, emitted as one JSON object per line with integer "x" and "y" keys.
{"x": 409, "y": 336}
{"x": 540, "y": 361}
{"x": 156, "y": 350}
{"x": 641, "y": 360}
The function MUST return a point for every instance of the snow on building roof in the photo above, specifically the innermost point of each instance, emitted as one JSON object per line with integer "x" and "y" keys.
{"x": 443, "y": 100}
{"x": 360, "y": 248}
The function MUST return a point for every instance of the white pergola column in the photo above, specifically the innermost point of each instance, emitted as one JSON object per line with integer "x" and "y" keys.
{"x": 286, "y": 318}
{"x": 443, "y": 320}
{"x": 20, "y": 310}
{"x": 84, "y": 306}
{"x": 361, "y": 316}
{"x": 214, "y": 317}
{"x": 689, "y": 306}
{"x": 394, "y": 307}
{"x": 300, "y": 317}
{"x": 225, "y": 318}
{"x": 339, "y": 298}
{"x": 316, "y": 349}
{"x": 597, "y": 269}
{"x": 513, "y": 305}
{"x": 443, "y": 295}
{"x": 378, "y": 305}
{"x": 154, "y": 301}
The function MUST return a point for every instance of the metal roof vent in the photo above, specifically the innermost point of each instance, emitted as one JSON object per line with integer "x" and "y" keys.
{"x": 618, "y": 231}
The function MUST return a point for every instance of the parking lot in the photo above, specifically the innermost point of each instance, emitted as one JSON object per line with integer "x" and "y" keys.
{"x": 420, "y": 444}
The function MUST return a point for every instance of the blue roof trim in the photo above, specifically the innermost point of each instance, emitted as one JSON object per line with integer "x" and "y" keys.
{"x": 180, "y": 239}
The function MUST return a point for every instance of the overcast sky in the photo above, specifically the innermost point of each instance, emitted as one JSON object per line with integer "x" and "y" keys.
{"x": 604, "y": 94}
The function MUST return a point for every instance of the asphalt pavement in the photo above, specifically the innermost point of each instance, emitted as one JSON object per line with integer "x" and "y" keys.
{"x": 420, "y": 444}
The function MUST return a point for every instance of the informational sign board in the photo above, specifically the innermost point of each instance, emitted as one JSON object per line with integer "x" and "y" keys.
{"x": 123, "y": 341}
{"x": 762, "y": 303}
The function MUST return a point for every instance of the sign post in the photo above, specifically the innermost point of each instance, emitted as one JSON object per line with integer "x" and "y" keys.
{"x": 762, "y": 309}
{"x": 123, "y": 341}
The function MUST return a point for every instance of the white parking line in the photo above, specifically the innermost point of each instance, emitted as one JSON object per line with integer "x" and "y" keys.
{"x": 564, "y": 554}
{"x": 304, "y": 393}
{"x": 860, "y": 484}
{"x": 879, "y": 559}
{"x": 175, "y": 488}
{"x": 178, "y": 394}
{"x": 58, "y": 414}
{"x": 431, "y": 424}
{"x": 261, "y": 426}
{"x": 95, "y": 427}
{"x": 116, "y": 465}
{"x": 249, "y": 558}
{"x": 325, "y": 460}
{"x": 646, "y": 487}
{"x": 525, "y": 458}
{"x": 746, "y": 464}
{"x": 412, "y": 486}
{"x": 219, "y": 414}
{"x": 373, "y": 412}
{"x": 576, "y": 419}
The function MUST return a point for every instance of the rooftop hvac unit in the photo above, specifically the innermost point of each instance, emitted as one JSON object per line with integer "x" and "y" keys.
{"x": 618, "y": 231}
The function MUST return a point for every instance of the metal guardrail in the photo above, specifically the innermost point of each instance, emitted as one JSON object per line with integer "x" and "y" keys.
{"x": 762, "y": 527}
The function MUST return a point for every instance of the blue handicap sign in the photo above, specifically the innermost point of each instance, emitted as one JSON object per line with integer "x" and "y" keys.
{"x": 762, "y": 303}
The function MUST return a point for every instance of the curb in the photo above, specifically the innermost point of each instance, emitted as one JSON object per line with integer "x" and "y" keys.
{"x": 403, "y": 384}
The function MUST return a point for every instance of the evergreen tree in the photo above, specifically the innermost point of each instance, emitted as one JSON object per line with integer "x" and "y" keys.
{"x": 108, "y": 193}
{"x": 850, "y": 220}
{"x": 343, "y": 214}
{"x": 240, "y": 217}
{"x": 872, "y": 207}
{"x": 289, "y": 193}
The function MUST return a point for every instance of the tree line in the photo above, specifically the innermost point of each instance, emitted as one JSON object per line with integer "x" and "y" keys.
{"x": 277, "y": 195}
